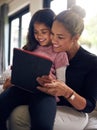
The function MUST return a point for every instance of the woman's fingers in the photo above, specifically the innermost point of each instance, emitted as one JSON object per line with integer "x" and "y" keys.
{"x": 40, "y": 81}
{"x": 51, "y": 85}
{"x": 50, "y": 91}
{"x": 44, "y": 79}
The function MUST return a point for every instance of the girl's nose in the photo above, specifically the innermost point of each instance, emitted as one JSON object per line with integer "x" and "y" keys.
{"x": 39, "y": 34}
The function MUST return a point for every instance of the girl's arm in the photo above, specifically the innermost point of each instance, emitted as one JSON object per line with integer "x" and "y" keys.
{"x": 61, "y": 73}
{"x": 7, "y": 83}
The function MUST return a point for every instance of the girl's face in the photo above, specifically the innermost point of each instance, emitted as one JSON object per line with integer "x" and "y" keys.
{"x": 61, "y": 38}
{"x": 42, "y": 34}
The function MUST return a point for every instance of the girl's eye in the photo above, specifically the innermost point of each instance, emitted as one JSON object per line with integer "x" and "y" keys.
{"x": 35, "y": 32}
{"x": 44, "y": 32}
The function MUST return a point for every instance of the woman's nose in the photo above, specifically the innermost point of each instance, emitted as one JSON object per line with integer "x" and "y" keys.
{"x": 53, "y": 39}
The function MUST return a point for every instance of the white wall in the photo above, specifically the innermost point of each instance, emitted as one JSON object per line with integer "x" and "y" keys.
{"x": 15, "y": 5}
{"x": 2, "y": 1}
{"x": 35, "y": 5}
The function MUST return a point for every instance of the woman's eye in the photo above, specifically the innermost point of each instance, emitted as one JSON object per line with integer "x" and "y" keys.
{"x": 61, "y": 37}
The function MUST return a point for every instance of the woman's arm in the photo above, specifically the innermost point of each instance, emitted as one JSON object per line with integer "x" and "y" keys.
{"x": 59, "y": 88}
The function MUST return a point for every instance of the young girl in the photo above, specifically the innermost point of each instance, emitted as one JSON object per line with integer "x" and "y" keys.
{"x": 42, "y": 107}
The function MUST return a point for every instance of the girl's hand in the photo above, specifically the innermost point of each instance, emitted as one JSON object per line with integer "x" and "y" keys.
{"x": 7, "y": 83}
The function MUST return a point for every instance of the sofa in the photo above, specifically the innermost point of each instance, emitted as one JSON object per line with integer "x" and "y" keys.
{"x": 92, "y": 123}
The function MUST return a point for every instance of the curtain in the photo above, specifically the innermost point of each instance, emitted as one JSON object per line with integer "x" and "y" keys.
{"x": 3, "y": 37}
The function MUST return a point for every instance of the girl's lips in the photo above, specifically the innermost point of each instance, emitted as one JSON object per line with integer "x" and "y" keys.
{"x": 42, "y": 40}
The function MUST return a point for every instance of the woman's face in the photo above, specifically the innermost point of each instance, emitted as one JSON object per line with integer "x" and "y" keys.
{"x": 42, "y": 34}
{"x": 61, "y": 38}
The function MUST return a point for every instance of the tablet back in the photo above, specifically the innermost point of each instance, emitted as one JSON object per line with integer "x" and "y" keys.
{"x": 26, "y": 67}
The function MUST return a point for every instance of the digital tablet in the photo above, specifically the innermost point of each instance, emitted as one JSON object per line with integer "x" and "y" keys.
{"x": 26, "y": 67}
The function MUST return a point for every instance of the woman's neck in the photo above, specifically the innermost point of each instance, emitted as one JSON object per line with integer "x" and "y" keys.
{"x": 72, "y": 52}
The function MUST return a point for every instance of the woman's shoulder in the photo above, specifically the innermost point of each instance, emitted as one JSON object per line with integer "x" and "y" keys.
{"x": 84, "y": 59}
{"x": 88, "y": 55}
{"x": 87, "y": 58}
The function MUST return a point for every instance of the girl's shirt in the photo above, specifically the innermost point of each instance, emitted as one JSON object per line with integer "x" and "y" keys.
{"x": 59, "y": 59}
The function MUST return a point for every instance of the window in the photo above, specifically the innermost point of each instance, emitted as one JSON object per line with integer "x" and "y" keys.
{"x": 89, "y": 36}
{"x": 88, "y": 39}
{"x": 24, "y": 28}
{"x": 14, "y": 35}
{"x": 58, "y": 5}
{"x": 18, "y": 28}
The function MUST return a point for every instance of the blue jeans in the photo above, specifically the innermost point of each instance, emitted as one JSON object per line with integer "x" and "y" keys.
{"x": 42, "y": 107}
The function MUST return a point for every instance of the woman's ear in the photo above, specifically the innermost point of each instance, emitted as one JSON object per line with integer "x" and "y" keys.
{"x": 76, "y": 38}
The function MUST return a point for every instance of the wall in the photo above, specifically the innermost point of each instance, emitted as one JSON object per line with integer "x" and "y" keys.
{"x": 15, "y": 5}
{"x": 2, "y": 1}
{"x": 35, "y": 5}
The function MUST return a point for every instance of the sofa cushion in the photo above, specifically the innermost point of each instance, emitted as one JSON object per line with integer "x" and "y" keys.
{"x": 92, "y": 123}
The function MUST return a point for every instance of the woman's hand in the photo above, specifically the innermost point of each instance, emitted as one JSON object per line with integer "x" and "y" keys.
{"x": 7, "y": 83}
{"x": 52, "y": 86}
{"x": 59, "y": 88}
{"x": 45, "y": 79}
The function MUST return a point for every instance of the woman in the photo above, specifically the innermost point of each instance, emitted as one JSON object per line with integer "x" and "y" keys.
{"x": 78, "y": 96}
